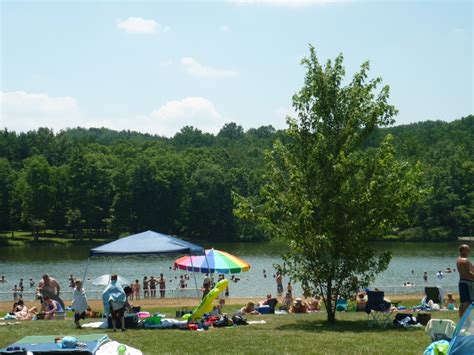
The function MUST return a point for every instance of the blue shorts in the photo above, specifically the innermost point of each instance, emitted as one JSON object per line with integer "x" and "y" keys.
{"x": 466, "y": 291}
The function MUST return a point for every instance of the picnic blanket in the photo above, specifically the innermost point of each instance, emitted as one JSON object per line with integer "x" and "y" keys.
{"x": 45, "y": 344}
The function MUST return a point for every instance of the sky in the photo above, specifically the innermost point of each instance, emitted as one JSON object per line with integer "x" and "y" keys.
{"x": 156, "y": 67}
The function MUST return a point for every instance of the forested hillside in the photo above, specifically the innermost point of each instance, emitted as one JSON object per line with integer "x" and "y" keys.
{"x": 102, "y": 182}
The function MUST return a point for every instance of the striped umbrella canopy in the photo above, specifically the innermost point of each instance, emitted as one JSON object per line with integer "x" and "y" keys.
{"x": 214, "y": 262}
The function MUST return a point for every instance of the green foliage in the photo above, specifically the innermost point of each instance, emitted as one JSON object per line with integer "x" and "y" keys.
{"x": 326, "y": 196}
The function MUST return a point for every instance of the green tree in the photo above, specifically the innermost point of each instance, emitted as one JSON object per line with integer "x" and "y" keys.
{"x": 207, "y": 205}
{"x": 325, "y": 195}
{"x": 90, "y": 192}
{"x": 231, "y": 130}
{"x": 35, "y": 190}
{"x": 6, "y": 183}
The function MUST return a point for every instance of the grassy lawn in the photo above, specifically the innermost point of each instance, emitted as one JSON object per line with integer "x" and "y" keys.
{"x": 298, "y": 333}
{"x": 48, "y": 237}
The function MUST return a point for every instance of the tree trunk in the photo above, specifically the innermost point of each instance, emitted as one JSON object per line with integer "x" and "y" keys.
{"x": 330, "y": 307}
{"x": 331, "y": 315}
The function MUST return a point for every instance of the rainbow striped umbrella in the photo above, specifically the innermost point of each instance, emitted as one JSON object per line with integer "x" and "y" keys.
{"x": 214, "y": 262}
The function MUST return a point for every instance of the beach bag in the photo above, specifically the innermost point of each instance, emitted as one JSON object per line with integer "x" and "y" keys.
{"x": 68, "y": 342}
{"x": 223, "y": 322}
{"x": 400, "y": 316}
{"x": 423, "y": 318}
{"x": 238, "y": 319}
{"x": 182, "y": 312}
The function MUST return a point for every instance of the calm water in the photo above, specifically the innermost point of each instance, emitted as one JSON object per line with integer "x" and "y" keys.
{"x": 61, "y": 261}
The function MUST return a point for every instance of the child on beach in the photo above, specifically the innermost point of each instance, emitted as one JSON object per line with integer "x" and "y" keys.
{"x": 136, "y": 290}
{"x": 79, "y": 303}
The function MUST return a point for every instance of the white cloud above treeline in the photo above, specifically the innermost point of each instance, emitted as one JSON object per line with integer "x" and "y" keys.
{"x": 139, "y": 25}
{"x": 22, "y": 111}
{"x": 194, "y": 68}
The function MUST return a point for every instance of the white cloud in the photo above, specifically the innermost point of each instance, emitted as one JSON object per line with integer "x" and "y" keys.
{"x": 166, "y": 29}
{"x": 139, "y": 25}
{"x": 195, "y": 68}
{"x": 458, "y": 30}
{"x": 23, "y": 111}
{"x": 225, "y": 28}
{"x": 290, "y": 3}
{"x": 190, "y": 111}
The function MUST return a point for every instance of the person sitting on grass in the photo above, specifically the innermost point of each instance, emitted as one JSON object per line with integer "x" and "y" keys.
{"x": 298, "y": 306}
{"x": 450, "y": 302}
{"x": 287, "y": 302}
{"x": 269, "y": 301}
{"x": 314, "y": 304}
{"x": 249, "y": 309}
{"x": 361, "y": 302}
{"x": 18, "y": 307}
{"x": 26, "y": 314}
{"x": 50, "y": 307}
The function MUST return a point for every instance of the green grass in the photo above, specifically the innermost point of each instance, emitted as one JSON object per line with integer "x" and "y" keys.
{"x": 298, "y": 333}
{"x": 22, "y": 238}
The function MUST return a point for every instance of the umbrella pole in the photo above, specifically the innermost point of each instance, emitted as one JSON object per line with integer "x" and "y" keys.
{"x": 194, "y": 274}
{"x": 208, "y": 268}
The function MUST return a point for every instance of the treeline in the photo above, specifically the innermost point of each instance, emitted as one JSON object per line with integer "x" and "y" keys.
{"x": 101, "y": 182}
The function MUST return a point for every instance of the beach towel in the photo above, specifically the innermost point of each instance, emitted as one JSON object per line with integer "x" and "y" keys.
{"x": 113, "y": 293}
{"x": 40, "y": 345}
{"x": 110, "y": 348}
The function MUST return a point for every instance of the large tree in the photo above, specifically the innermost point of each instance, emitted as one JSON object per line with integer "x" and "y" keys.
{"x": 323, "y": 193}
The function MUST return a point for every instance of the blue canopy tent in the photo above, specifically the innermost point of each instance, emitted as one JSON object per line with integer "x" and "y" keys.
{"x": 146, "y": 244}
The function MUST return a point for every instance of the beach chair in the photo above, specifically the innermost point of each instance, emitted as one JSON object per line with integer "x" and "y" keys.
{"x": 342, "y": 305}
{"x": 378, "y": 310}
{"x": 433, "y": 294}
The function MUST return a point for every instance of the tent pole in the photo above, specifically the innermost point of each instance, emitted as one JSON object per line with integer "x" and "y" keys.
{"x": 85, "y": 271}
{"x": 194, "y": 274}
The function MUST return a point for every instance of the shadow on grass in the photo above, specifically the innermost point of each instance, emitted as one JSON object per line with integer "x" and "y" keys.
{"x": 352, "y": 326}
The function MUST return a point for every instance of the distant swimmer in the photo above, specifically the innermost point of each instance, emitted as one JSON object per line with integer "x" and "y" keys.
{"x": 425, "y": 276}
{"x": 3, "y": 280}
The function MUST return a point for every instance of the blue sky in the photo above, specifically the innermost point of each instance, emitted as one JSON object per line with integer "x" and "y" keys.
{"x": 158, "y": 66}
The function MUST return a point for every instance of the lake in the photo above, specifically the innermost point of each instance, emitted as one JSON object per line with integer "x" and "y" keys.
{"x": 61, "y": 261}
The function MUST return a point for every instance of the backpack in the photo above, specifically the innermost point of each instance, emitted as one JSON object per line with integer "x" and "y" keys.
{"x": 239, "y": 319}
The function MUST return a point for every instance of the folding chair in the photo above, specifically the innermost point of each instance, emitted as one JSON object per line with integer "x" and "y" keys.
{"x": 433, "y": 294}
{"x": 378, "y": 310}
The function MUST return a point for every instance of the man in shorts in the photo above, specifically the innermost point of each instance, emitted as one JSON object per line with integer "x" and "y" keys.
{"x": 466, "y": 279}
